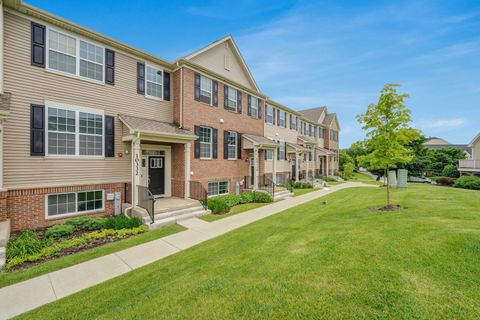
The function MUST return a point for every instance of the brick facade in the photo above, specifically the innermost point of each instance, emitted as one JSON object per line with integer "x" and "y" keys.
{"x": 26, "y": 207}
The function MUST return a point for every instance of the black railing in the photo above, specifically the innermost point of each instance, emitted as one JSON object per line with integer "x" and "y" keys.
{"x": 147, "y": 201}
{"x": 264, "y": 183}
{"x": 198, "y": 192}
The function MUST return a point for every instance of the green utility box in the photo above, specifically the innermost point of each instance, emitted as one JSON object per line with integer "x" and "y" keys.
{"x": 392, "y": 179}
{"x": 402, "y": 175}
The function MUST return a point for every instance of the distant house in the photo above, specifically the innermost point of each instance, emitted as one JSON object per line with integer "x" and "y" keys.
{"x": 439, "y": 143}
{"x": 472, "y": 165}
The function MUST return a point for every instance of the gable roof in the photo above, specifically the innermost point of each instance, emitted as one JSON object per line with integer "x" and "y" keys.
{"x": 477, "y": 137}
{"x": 436, "y": 141}
{"x": 237, "y": 52}
{"x": 313, "y": 114}
{"x": 155, "y": 127}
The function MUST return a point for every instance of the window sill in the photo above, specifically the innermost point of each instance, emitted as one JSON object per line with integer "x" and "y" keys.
{"x": 74, "y": 157}
{"x": 153, "y": 97}
{"x": 72, "y": 76}
{"x": 205, "y": 158}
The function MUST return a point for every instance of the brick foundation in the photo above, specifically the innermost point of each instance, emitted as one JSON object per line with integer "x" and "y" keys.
{"x": 26, "y": 207}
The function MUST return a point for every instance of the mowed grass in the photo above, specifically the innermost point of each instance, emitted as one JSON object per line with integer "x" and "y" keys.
{"x": 299, "y": 192}
{"x": 11, "y": 277}
{"x": 361, "y": 177}
{"x": 233, "y": 211}
{"x": 337, "y": 261}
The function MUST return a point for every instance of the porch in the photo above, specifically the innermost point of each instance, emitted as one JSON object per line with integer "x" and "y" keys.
{"x": 472, "y": 166}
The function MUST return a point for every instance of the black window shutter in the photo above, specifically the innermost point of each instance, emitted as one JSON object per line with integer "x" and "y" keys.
{"x": 225, "y": 96}
{"x": 285, "y": 148}
{"x": 37, "y": 130}
{"x": 197, "y": 86}
{"x": 140, "y": 78}
{"x": 278, "y": 117}
{"x": 109, "y": 136}
{"x": 109, "y": 66}
{"x": 196, "y": 152}
{"x": 166, "y": 86}
{"x": 225, "y": 144}
{"x": 239, "y": 146}
{"x": 239, "y": 102}
{"x": 265, "y": 154}
{"x": 260, "y": 104}
{"x": 215, "y": 93}
{"x": 38, "y": 45}
{"x": 249, "y": 105}
{"x": 278, "y": 153}
{"x": 215, "y": 143}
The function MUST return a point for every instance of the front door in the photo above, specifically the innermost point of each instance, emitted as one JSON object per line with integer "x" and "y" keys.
{"x": 156, "y": 175}
{"x": 252, "y": 171}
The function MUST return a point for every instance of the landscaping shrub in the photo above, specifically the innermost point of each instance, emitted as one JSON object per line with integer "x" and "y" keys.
{"x": 451, "y": 171}
{"x": 262, "y": 197}
{"x": 87, "y": 223}
{"x": 58, "y": 231}
{"x": 445, "y": 181}
{"x": 467, "y": 182}
{"x": 121, "y": 222}
{"x": 348, "y": 170}
{"x": 301, "y": 185}
{"x": 246, "y": 197}
{"x": 24, "y": 244}
{"x": 218, "y": 205}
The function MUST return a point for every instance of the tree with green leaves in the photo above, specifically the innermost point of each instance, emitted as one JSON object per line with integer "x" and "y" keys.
{"x": 388, "y": 134}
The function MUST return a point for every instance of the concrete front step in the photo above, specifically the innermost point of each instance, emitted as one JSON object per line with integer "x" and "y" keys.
{"x": 280, "y": 195}
{"x": 166, "y": 221}
{"x": 170, "y": 214}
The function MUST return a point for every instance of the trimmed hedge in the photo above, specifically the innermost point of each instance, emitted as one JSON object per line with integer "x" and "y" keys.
{"x": 467, "y": 182}
{"x": 445, "y": 181}
{"x": 222, "y": 204}
{"x": 301, "y": 185}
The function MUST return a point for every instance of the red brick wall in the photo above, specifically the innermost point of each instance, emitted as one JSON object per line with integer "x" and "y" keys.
{"x": 26, "y": 207}
{"x": 197, "y": 113}
{"x": 178, "y": 170}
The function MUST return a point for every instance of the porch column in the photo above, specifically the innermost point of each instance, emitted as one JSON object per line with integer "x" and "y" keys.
{"x": 297, "y": 166}
{"x": 308, "y": 164}
{"x": 136, "y": 163}
{"x": 1, "y": 154}
{"x": 274, "y": 165}
{"x": 327, "y": 161}
{"x": 256, "y": 171}
{"x": 186, "y": 147}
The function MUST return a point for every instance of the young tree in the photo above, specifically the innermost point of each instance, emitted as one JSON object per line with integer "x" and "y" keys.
{"x": 387, "y": 132}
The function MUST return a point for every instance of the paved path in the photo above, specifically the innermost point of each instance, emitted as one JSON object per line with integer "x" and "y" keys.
{"x": 30, "y": 294}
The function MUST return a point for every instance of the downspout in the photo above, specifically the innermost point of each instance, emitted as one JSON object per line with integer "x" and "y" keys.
{"x": 127, "y": 210}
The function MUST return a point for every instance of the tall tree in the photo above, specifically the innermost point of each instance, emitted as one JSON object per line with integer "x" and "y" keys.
{"x": 388, "y": 134}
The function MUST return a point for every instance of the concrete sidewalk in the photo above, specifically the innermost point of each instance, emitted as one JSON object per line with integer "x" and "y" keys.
{"x": 30, "y": 294}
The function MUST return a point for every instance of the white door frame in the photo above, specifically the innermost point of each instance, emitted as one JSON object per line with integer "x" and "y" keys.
{"x": 167, "y": 165}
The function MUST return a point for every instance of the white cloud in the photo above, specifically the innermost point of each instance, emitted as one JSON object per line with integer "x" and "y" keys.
{"x": 446, "y": 124}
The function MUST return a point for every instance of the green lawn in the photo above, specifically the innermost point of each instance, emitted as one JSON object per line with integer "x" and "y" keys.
{"x": 343, "y": 260}
{"x": 361, "y": 177}
{"x": 234, "y": 210}
{"x": 10, "y": 277}
{"x": 299, "y": 192}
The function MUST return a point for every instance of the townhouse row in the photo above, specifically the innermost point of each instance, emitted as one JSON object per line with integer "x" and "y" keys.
{"x": 89, "y": 124}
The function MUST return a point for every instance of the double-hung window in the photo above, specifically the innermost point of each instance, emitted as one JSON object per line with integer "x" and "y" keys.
{"x": 310, "y": 129}
{"x": 154, "y": 82}
{"x": 281, "y": 119}
{"x": 293, "y": 125}
{"x": 281, "y": 150}
{"x": 254, "y": 107}
{"x": 74, "y": 56}
{"x": 320, "y": 133}
{"x": 205, "y": 89}
{"x": 232, "y": 145}
{"x": 205, "y": 143}
{"x": 269, "y": 114}
{"x": 74, "y": 133}
{"x": 60, "y": 204}
{"x": 268, "y": 154}
{"x": 232, "y": 99}
{"x": 217, "y": 188}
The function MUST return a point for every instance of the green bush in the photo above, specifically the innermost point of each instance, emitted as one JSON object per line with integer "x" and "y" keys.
{"x": 348, "y": 170}
{"x": 450, "y": 171}
{"x": 262, "y": 197}
{"x": 121, "y": 222}
{"x": 467, "y": 182}
{"x": 246, "y": 197}
{"x": 445, "y": 181}
{"x": 59, "y": 231}
{"x": 87, "y": 223}
{"x": 218, "y": 205}
{"x": 24, "y": 244}
{"x": 300, "y": 185}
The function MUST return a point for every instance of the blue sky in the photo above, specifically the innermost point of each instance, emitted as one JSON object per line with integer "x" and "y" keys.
{"x": 335, "y": 53}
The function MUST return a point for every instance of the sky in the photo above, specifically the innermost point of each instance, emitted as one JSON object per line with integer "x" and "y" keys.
{"x": 307, "y": 54}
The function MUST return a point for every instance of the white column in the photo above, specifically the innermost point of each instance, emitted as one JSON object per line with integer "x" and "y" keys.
{"x": 327, "y": 161}
{"x": 308, "y": 164}
{"x": 256, "y": 169}
{"x": 297, "y": 165}
{"x": 186, "y": 147}
{"x": 136, "y": 167}
{"x": 1, "y": 154}
{"x": 274, "y": 165}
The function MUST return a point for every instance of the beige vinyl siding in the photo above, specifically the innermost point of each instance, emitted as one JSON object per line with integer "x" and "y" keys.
{"x": 275, "y": 132}
{"x": 476, "y": 150}
{"x": 29, "y": 84}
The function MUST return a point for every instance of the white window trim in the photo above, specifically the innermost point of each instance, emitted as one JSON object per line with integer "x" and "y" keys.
{"x": 269, "y": 151}
{"x": 236, "y": 146}
{"x": 211, "y": 144}
{"x": 269, "y": 107}
{"x": 211, "y": 88}
{"x": 256, "y": 106}
{"x": 282, "y": 146}
{"x": 76, "y": 213}
{"x": 149, "y": 65}
{"x": 284, "y": 125}
{"x": 219, "y": 194}
{"x": 77, "y": 55}
{"x": 230, "y": 100}
{"x": 77, "y": 133}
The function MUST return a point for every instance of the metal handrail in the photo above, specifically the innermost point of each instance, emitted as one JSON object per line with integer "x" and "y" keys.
{"x": 198, "y": 192}
{"x": 146, "y": 200}
{"x": 264, "y": 183}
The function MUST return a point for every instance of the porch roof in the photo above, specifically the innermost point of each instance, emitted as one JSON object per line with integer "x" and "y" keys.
{"x": 307, "y": 140}
{"x": 296, "y": 147}
{"x": 259, "y": 141}
{"x": 324, "y": 151}
{"x": 155, "y": 128}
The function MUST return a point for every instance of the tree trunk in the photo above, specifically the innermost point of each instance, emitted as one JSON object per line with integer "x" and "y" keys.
{"x": 388, "y": 188}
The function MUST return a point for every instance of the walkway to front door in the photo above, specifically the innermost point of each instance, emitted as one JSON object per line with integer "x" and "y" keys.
{"x": 156, "y": 175}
